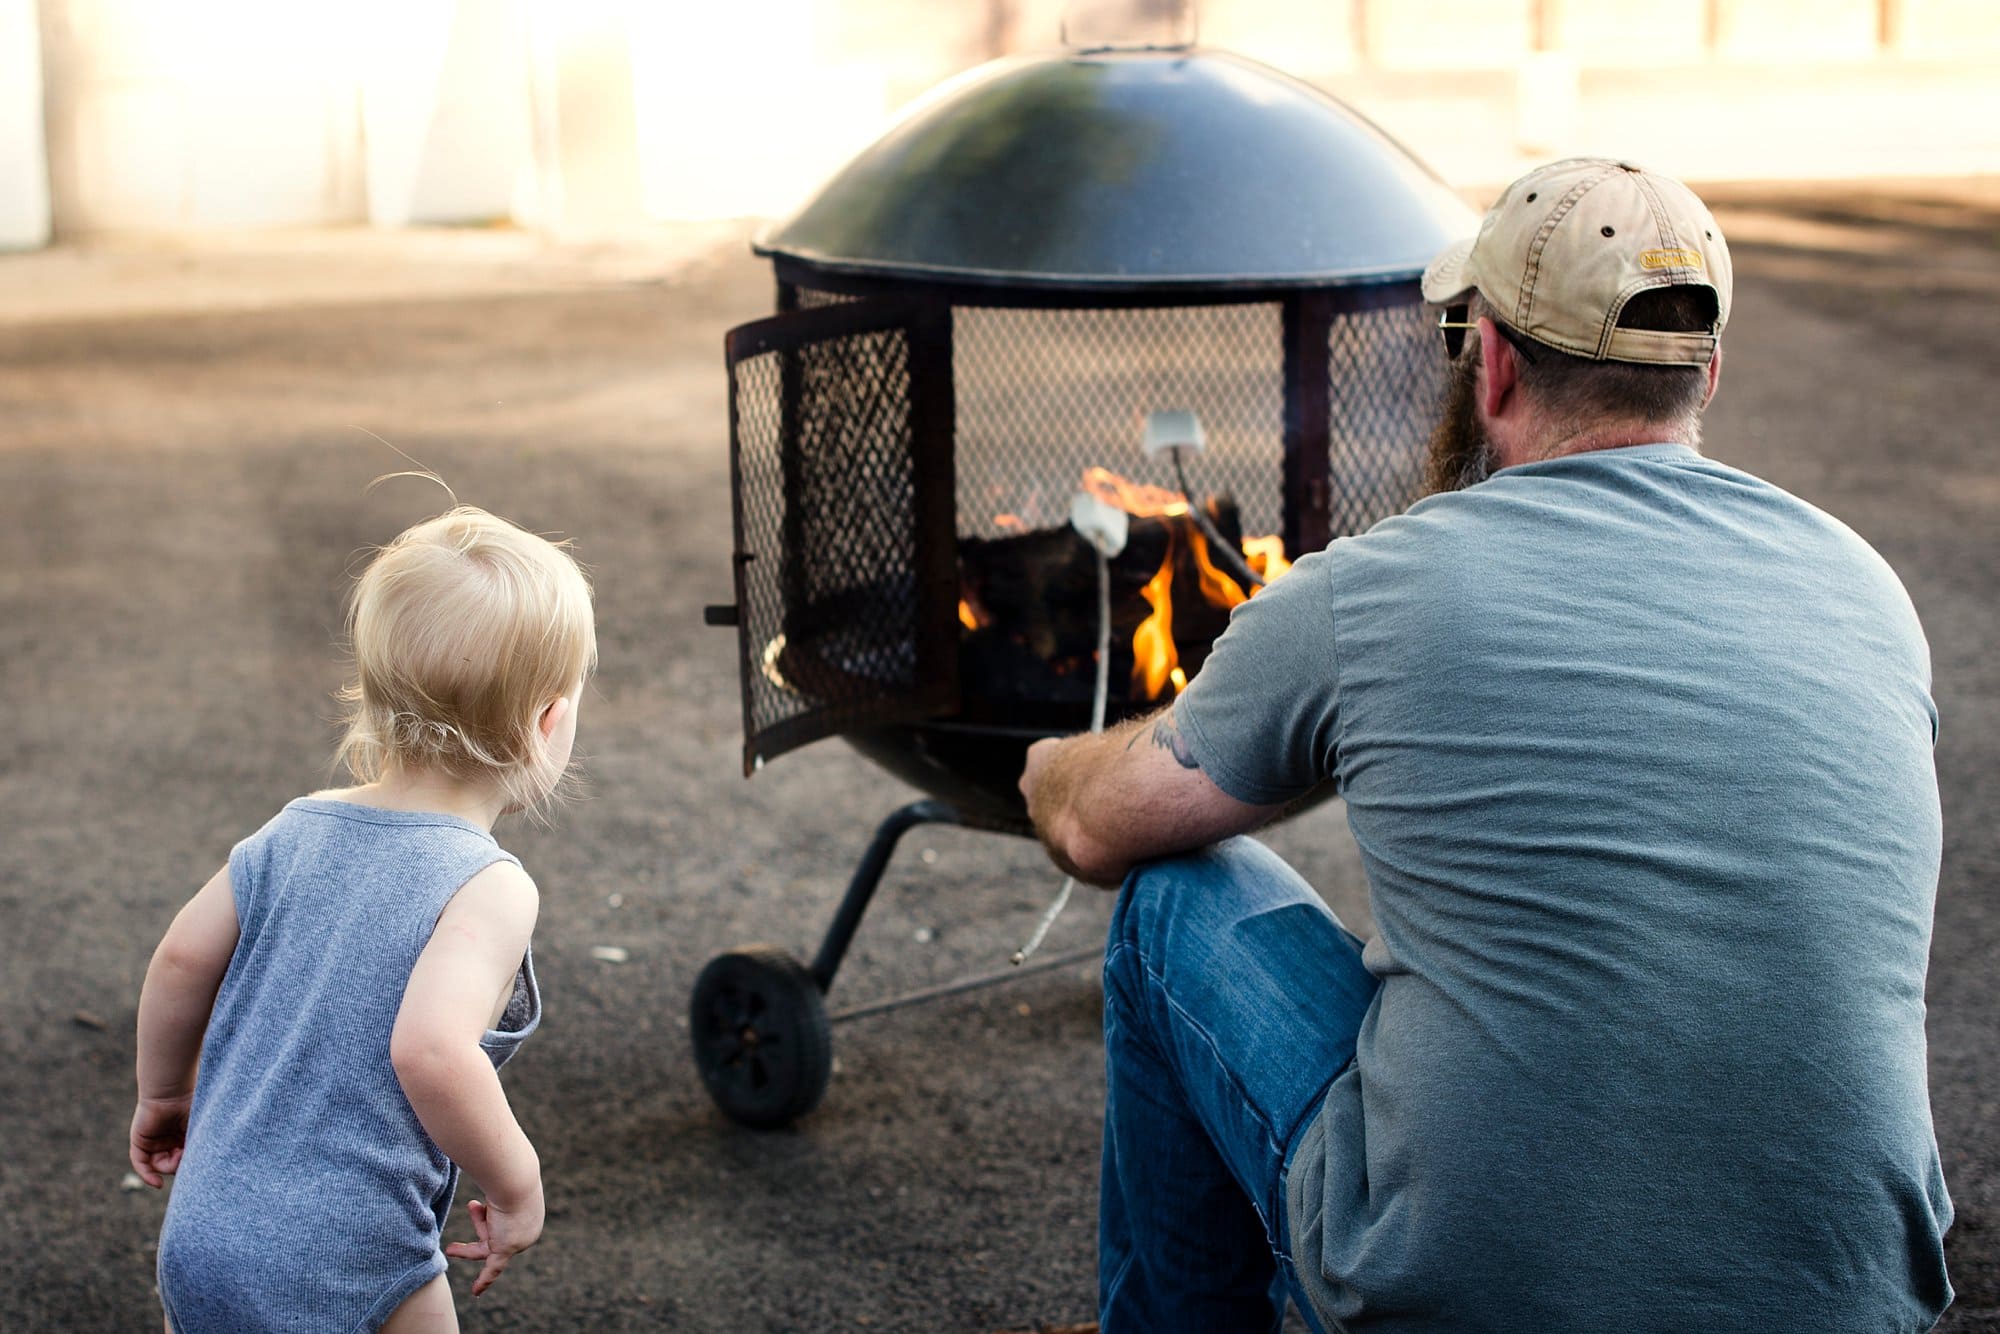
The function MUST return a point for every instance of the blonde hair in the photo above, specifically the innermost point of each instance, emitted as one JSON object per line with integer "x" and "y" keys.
{"x": 463, "y": 629}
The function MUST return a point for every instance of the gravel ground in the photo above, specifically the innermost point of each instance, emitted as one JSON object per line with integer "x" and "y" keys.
{"x": 182, "y": 496}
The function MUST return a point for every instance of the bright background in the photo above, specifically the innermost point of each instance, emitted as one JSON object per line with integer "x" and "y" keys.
{"x": 590, "y": 117}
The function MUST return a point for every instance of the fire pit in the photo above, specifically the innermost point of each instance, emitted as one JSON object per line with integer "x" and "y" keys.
{"x": 977, "y": 318}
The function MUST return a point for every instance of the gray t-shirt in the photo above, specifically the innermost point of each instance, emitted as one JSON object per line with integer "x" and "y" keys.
{"x": 1637, "y": 749}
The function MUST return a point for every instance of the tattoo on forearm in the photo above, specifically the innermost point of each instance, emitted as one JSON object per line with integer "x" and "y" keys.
{"x": 1168, "y": 737}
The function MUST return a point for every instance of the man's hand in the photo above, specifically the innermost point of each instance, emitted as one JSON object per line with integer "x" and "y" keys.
{"x": 159, "y": 1137}
{"x": 1039, "y": 756}
{"x": 503, "y": 1234}
{"x": 1103, "y": 802}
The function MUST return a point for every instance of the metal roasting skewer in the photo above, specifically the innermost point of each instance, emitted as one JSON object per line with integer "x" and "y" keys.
{"x": 1048, "y": 919}
{"x": 1219, "y": 548}
{"x": 1097, "y": 705}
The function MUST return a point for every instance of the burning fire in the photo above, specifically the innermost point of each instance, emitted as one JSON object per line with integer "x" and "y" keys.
{"x": 1135, "y": 498}
{"x": 1156, "y": 665}
{"x": 1219, "y": 588}
{"x": 1266, "y": 556}
{"x": 1155, "y": 659}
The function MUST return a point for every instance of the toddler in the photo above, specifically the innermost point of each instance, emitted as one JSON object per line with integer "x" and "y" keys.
{"x": 348, "y": 986}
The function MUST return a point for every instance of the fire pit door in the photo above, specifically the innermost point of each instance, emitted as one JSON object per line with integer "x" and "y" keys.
{"x": 840, "y": 426}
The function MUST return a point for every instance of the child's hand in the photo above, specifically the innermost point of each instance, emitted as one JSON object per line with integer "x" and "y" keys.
{"x": 502, "y": 1236}
{"x": 159, "y": 1134}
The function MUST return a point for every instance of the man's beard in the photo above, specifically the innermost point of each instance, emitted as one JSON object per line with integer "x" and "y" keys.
{"x": 1460, "y": 454}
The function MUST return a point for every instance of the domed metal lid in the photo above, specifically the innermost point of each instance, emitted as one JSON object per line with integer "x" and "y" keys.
{"x": 1129, "y": 169}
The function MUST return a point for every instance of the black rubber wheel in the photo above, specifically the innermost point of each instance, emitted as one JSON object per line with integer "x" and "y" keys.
{"x": 761, "y": 1038}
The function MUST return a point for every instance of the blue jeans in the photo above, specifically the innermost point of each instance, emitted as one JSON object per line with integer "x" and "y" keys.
{"x": 1232, "y": 998}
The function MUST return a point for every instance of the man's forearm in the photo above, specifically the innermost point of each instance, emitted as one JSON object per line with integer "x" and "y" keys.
{"x": 1104, "y": 803}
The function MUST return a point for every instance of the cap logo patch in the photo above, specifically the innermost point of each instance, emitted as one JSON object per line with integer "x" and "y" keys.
{"x": 1669, "y": 259}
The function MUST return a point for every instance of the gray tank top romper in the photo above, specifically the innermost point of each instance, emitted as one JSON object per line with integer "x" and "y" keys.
{"x": 310, "y": 1197}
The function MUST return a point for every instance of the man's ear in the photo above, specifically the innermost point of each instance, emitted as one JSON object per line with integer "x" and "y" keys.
{"x": 552, "y": 713}
{"x": 1498, "y": 371}
{"x": 1714, "y": 375}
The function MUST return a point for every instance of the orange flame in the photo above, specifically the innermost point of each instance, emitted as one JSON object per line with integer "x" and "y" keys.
{"x": 1135, "y": 498}
{"x": 1266, "y": 556}
{"x": 1155, "y": 660}
{"x": 1155, "y": 657}
{"x": 1220, "y": 589}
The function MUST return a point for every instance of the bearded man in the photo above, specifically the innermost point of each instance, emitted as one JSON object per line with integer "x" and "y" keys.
{"x": 1637, "y": 750}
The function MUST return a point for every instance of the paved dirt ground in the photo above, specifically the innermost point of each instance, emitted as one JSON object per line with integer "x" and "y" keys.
{"x": 182, "y": 497}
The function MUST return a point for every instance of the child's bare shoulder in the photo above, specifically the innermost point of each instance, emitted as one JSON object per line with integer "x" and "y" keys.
{"x": 500, "y": 889}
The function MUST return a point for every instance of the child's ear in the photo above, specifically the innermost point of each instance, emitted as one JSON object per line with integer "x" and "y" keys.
{"x": 552, "y": 713}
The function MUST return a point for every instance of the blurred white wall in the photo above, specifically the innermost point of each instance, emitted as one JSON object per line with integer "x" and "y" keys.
{"x": 1799, "y": 29}
{"x": 1305, "y": 40}
{"x": 586, "y": 116}
{"x": 1619, "y": 33}
{"x": 24, "y": 168}
{"x": 206, "y": 113}
{"x": 1447, "y": 34}
{"x": 445, "y": 113}
{"x": 743, "y": 108}
{"x": 590, "y": 167}
{"x": 1945, "y": 29}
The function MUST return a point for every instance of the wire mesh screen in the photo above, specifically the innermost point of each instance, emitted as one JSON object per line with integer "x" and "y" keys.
{"x": 1388, "y": 378}
{"x": 906, "y": 467}
{"x": 1044, "y": 394}
{"x": 841, "y": 519}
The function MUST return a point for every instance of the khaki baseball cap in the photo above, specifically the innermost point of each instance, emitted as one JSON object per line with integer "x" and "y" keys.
{"x": 1566, "y": 246}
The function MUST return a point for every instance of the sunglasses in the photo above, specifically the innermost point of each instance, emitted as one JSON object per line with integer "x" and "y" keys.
{"x": 1453, "y": 324}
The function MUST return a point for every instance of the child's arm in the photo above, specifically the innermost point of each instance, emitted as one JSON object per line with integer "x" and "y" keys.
{"x": 174, "y": 1005}
{"x": 469, "y": 963}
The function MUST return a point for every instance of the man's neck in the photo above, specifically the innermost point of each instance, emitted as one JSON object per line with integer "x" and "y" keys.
{"x": 1614, "y": 436}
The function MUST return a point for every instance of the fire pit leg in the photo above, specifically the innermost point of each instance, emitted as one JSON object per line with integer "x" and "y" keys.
{"x": 757, "y": 1018}
{"x": 866, "y": 877}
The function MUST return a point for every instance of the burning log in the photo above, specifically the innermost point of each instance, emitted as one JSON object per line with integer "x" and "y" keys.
{"x": 1030, "y": 608}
